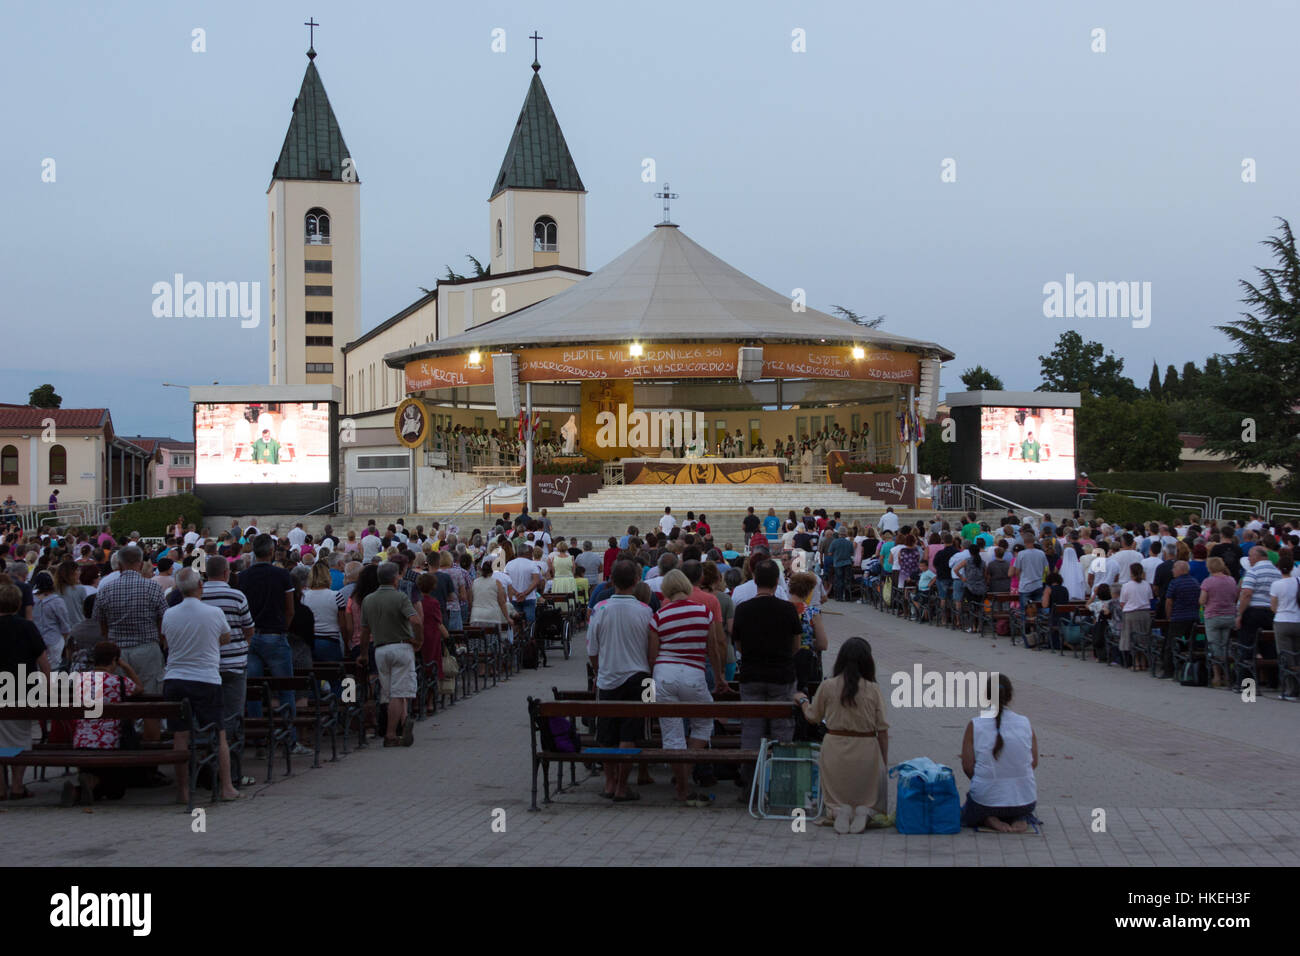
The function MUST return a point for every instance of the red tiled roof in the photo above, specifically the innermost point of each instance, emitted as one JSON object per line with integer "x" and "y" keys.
{"x": 28, "y": 416}
{"x": 1191, "y": 441}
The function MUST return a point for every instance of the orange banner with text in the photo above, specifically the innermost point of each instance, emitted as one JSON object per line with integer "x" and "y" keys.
{"x": 583, "y": 363}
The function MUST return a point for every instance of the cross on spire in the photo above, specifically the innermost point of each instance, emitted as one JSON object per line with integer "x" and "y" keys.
{"x": 311, "y": 25}
{"x": 666, "y": 196}
{"x": 536, "y": 63}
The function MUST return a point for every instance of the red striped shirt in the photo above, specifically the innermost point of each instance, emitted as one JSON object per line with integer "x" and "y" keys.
{"x": 683, "y": 629}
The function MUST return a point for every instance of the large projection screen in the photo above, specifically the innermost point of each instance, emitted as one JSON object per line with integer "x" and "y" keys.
{"x": 267, "y": 457}
{"x": 1026, "y": 443}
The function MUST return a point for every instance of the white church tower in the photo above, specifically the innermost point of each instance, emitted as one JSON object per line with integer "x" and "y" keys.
{"x": 537, "y": 210}
{"x": 314, "y": 211}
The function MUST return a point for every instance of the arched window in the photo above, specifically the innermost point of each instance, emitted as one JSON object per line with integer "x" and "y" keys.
{"x": 9, "y": 465}
{"x": 544, "y": 235}
{"x": 499, "y": 243}
{"x": 318, "y": 227}
{"x": 58, "y": 465}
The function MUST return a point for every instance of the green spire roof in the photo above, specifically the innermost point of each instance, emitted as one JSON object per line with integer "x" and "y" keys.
{"x": 537, "y": 157}
{"x": 313, "y": 148}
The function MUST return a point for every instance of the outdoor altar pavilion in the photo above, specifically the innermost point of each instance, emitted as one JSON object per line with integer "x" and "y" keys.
{"x": 667, "y": 325}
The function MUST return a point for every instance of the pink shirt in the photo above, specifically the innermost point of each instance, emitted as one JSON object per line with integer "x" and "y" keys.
{"x": 1220, "y": 592}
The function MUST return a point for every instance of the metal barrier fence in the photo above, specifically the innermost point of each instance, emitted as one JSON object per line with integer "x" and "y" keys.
{"x": 1208, "y": 508}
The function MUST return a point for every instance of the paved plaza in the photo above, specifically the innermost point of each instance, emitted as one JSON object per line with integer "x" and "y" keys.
{"x": 1186, "y": 776}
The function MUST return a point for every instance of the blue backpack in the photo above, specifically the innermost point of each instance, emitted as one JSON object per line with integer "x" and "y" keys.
{"x": 927, "y": 798}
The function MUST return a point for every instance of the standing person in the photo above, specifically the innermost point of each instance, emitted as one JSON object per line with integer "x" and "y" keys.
{"x": 330, "y": 622}
{"x": 751, "y": 523}
{"x": 50, "y": 615}
{"x": 767, "y": 633}
{"x": 618, "y": 647}
{"x": 129, "y": 610}
{"x": 841, "y": 555}
{"x": 1135, "y": 599}
{"x": 525, "y": 585}
{"x": 1286, "y": 612}
{"x": 999, "y": 754}
{"x": 667, "y": 522}
{"x": 1219, "y": 599}
{"x": 1254, "y": 612}
{"x": 218, "y": 593}
{"x": 22, "y": 652}
{"x": 771, "y": 526}
{"x": 68, "y": 587}
{"x": 195, "y": 633}
{"x": 680, "y": 648}
{"x": 1182, "y": 610}
{"x": 270, "y": 593}
{"x": 855, "y": 754}
{"x": 435, "y": 631}
{"x": 393, "y": 624}
{"x": 812, "y": 640}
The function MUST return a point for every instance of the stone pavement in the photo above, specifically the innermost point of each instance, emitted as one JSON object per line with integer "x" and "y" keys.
{"x": 1187, "y": 776}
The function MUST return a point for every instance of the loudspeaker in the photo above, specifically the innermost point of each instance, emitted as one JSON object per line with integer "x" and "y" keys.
{"x": 928, "y": 393}
{"x": 505, "y": 383}
{"x": 749, "y": 364}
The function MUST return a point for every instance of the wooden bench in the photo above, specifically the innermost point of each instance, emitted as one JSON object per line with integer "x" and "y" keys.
{"x": 544, "y": 751}
{"x": 276, "y": 727}
{"x": 89, "y": 758}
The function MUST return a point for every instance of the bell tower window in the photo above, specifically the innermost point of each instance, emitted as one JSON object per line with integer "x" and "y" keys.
{"x": 318, "y": 227}
{"x": 545, "y": 235}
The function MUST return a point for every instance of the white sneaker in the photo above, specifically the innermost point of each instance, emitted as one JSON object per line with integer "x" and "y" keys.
{"x": 860, "y": 817}
{"x": 298, "y": 750}
{"x": 843, "y": 819}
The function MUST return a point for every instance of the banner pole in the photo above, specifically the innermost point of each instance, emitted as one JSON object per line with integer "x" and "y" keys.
{"x": 528, "y": 448}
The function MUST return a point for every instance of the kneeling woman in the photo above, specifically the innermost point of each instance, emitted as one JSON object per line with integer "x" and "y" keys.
{"x": 999, "y": 755}
{"x": 855, "y": 752}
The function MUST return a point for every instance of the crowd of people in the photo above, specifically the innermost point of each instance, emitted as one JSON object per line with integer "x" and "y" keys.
{"x": 194, "y": 614}
{"x": 1234, "y": 579}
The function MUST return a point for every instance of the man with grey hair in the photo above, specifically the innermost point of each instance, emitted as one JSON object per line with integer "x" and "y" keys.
{"x": 129, "y": 611}
{"x": 218, "y": 593}
{"x": 592, "y": 564}
{"x": 655, "y": 579}
{"x": 195, "y": 633}
{"x": 396, "y": 627}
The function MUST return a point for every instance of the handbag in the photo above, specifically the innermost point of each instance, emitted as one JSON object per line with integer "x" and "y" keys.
{"x": 450, "y": 671}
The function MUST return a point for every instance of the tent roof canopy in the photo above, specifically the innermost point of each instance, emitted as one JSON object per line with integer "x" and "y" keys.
{"x": 666, "y": 288}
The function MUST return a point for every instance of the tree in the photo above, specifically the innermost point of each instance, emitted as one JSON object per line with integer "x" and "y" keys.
{"x": 1117, "y": 434}
{"x": 934, "y": 456}
{"x": 1249, "y": 411}
{"x": 979, "y": 378}
{"x": 1153, "y": 386}
{"x": 1086, "y": 367}
{"x": 452, "y": 275}
{"x": 857, "y": 319}
{"x": 44, "y": 396}
{"x": 1171, "y": 387}
{"x": 1191, "y": 381}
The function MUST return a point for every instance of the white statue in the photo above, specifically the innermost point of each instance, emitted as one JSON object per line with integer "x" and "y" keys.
{"x": 570, "y": 432}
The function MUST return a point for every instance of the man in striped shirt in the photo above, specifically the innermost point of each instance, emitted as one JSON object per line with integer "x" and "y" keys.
{"x": 1254, "y": 611}
{"x": 234, "y": 655}
{"x": 680, "y": 650}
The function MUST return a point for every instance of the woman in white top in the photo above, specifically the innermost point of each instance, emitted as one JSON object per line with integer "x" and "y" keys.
{"x": 1286, "y": 612}
{"x": 999, "y": 755}
{"x": 488, "y": 602}
{"x": 1135, "y": 599}
{"x": 333, "y": 625}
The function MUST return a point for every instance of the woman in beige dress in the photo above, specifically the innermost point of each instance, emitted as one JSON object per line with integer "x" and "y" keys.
{"x": 855, "y": 753}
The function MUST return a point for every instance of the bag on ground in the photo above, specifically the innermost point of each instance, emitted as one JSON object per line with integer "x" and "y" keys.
{"x": 927, "y": 799}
